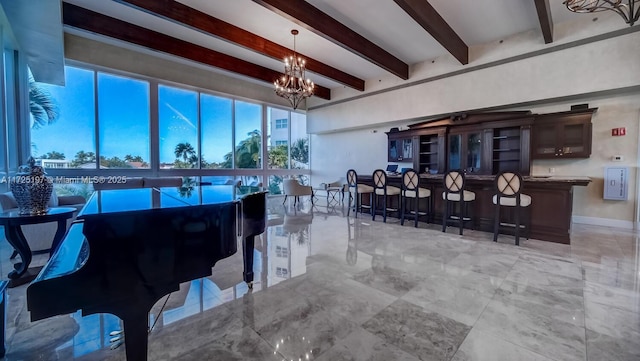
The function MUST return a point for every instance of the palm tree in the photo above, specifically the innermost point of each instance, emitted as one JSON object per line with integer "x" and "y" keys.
{"x": 278, "y": 157}
{"x": 300, "y": 151}
{"x": 248, "y": 151}
{"x": 184, "y": 150}
{"x": 42, "y": 106}
{"x": 187, "y": 187}
{"x": 53, "y": 155}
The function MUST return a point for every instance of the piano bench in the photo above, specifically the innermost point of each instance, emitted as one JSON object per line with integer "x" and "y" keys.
{"x": 3, "y": 313}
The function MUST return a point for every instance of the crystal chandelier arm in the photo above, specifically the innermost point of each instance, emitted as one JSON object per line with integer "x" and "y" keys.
{"x": 293, "y": 86}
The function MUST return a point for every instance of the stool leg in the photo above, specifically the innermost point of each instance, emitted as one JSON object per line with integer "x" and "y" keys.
{"x": 528, "y": 225}
{"x": 349, "y": 205}
{"x": 417, "y": 200}
{"x": 445, "y": 215}
{"x": 384, "y": 208}
{"x": 517, "y": 227}
{"x": 373, "y": 206}
{"x": 403, "y": 204}
{"x": 463, "y": 211}
{"x": 496, "y": 224}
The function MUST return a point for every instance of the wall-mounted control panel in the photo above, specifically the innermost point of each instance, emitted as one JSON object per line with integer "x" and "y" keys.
{"x": 616, "y": 183}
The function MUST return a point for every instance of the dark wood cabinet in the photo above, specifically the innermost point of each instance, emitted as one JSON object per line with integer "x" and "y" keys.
{"x": 431, "y": 151}
{"x": 488, "y": 143}
{"x": 401, "y": 147}
{"x": 468, "y": 149}
{"x": 562, "y": 135}
{"x": 510, "y": 147}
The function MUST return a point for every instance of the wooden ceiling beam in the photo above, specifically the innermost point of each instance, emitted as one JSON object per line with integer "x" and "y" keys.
{"x": 311, "y": 18}
{"x": 80, "y": 18}
{"x": 544, "y": 16}
{"x": 426, "y": 16}
{"x": 176, "y": 12}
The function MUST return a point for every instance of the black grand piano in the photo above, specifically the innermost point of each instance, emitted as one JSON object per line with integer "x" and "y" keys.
{"x": 130, "y": 247}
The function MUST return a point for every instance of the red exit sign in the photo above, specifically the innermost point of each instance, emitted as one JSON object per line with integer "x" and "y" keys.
{"x": 618, "y": 131}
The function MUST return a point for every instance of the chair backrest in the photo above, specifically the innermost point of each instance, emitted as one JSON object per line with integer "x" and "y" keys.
{"x": 380, "y": 179}
{"x": 410, "y": 180}
{"x": 454, "y": 181}
{"x": 352, "y": 178}
{"x": 292, "y": 187}
{"x": 508, "y": 184}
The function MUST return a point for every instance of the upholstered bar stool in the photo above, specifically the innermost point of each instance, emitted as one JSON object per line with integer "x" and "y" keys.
{"x": 411, "y": 191}
{"x": 380, "y": 188}
{"x": 356, "y": 191}
{"x": 509, "y": 187}
{"x": 454, "y": 193}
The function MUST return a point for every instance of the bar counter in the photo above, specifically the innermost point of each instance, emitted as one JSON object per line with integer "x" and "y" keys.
{"x": 551, "y": 206}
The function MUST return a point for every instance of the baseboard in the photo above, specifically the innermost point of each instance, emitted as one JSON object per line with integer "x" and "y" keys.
{"x": 605, "y": 222}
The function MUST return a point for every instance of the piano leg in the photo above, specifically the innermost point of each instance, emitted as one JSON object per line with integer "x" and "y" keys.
{"x": 136, "y": 335}
{"x": 247, "y": 253}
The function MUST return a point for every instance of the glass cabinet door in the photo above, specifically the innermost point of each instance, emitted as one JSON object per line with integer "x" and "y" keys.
{"x": 474, "y": 152}
{"x": 455, "y": 151}
{"x": 393, "y": 150}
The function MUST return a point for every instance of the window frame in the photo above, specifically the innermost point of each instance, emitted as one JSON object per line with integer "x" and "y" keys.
{"x": 154, "y": 170}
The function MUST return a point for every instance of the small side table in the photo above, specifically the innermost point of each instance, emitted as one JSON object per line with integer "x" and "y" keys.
{"x": 12, "y": 221}
{"x": 332, "y": 194}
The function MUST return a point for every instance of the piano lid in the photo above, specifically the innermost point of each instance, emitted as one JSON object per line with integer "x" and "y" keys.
{"x": 140, "y": 199}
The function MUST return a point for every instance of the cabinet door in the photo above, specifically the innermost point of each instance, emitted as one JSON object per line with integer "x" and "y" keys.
{"x": 407, "y": 150}
{"x": 562, "y": 136}
{"x": 545, "y": 141}
{"x": 455, "y": 151}
{"x": 474, "y": 153}
{"x": 400, "y": 149}
{"x": 466, "y": 152}
{"x": 575, "y": 140}
{"x": 394, "y": 149}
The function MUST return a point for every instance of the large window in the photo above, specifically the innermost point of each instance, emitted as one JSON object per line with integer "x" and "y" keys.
{"x": 123, "y": 122}
{"x": 50, "y": 143}
{"x": 144, "y": 127}
{"x": 248, "y": 135}
{"x": 216, "y": 114}
{"x": 178, "y": 126}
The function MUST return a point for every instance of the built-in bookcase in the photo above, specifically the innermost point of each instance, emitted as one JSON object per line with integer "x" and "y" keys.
{"x": 506, "y": 149}
{"x": 428, "y": 152}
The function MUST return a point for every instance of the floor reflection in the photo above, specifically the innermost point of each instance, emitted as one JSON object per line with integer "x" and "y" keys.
{"x": 333, "y": 287}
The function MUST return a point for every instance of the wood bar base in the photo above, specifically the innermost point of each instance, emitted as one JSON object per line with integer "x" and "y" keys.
{"x": 551, "y": 207}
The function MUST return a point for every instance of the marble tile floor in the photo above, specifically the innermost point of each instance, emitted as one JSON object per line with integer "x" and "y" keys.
{"x": 330, "y": 287}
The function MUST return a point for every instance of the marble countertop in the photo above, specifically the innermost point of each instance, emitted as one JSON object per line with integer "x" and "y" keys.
{"x": 542, "y": 178}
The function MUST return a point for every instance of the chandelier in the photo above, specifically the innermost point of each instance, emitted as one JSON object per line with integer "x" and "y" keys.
{"x": 293, "y": 86}
{"x": 628, "y": 11}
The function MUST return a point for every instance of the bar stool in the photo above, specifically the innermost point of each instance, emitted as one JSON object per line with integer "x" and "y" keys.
{"x": 509, "y": 187}
{"x": 380, "y": 188}
{"x": 411, "y": 190}
{"x": 358, "y": 190}
{"x": 454, "y": 191}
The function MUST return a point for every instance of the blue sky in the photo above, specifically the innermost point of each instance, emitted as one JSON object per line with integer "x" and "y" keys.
{"x": 124, "y": 118}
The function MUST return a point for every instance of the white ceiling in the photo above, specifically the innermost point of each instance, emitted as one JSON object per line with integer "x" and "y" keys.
{"x": 382, "y": 22}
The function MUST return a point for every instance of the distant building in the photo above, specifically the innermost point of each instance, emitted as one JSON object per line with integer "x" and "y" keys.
{"x": 53, "y": 163}
{"x": 279, "y": 132}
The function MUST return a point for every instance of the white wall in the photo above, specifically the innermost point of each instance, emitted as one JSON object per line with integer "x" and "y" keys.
{"x": 365, "y": 150}
{"x": 606, "y": 73}
{"x": 595, "y": 67}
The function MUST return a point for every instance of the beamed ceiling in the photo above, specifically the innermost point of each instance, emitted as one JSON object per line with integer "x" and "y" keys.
{"x": 344, "y": 42}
